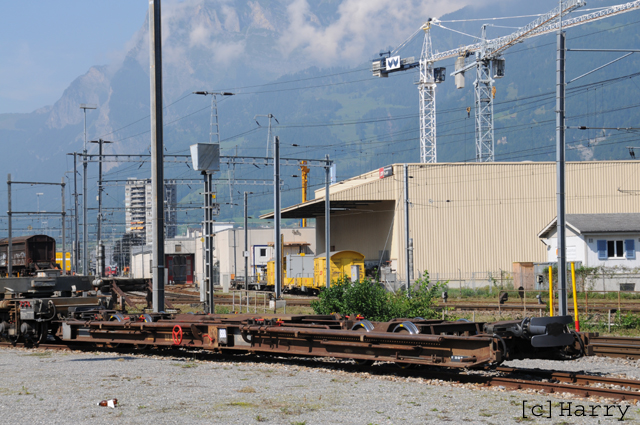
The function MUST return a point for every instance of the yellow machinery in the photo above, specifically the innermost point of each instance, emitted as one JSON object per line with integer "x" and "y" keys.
{"x": 289, "y": 284}
{"x": 347, "y": 264}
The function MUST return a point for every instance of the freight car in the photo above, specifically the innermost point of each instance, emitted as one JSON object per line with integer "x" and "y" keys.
{"x": 28, "y": 255}
{"x": 404, "y": 341}
{"x": 32, "y": 306}
{"x": 302, "y": 273}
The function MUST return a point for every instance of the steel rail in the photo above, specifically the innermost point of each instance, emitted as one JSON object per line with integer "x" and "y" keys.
{"x": 573, "y": 377}
{"x": 612, "y": 346}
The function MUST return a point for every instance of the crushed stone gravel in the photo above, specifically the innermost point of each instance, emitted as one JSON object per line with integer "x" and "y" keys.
{"x": 61, "y": 387}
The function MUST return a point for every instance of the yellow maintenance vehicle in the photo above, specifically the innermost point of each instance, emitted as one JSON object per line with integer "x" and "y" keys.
{"x": 306, "y": 274}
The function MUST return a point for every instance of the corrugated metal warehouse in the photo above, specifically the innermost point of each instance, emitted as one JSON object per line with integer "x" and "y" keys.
{"x": 465, "y": 218}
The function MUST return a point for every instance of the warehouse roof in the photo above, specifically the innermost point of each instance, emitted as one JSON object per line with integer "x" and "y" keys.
{"x": 598, "y": 223}
{"x": 315, "y": 208}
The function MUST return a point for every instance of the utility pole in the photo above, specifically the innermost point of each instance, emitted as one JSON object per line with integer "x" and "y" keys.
{"x": 269, "y": 116}
{"x": 277, "y": 269}
{"x": 64, "y": 227}
{"x": 327, "y": 220}
{"x": 235, "y": 255}
{"x": 560, "y": 169}
{"x": 408, "y": 246}
{"x": 157, "y": 166}
{"x": 9, "y": 242}
{"x": 99, "y": 246}
{"x": 85, "y": 198}
{"x": 76, "y": 245}
{"x": 207, "y": 291}
{"x": 245, "y": 253}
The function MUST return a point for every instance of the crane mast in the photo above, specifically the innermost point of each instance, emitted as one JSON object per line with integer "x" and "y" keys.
{"x": 489, "y": 65}
{"x": 485, "y": 145}
{"x": 427, "y": 92}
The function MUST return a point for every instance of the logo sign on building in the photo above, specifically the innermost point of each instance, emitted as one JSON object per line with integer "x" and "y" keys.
{"x": 386, "y": 171}
{"x": 393, "y": 63}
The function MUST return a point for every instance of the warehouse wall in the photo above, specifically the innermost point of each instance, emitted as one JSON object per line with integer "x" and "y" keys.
{"x": 479, "y": 217}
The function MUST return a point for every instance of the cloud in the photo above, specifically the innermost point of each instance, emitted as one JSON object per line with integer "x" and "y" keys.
{"x": 361, "y": 27}
{"x": 200, "y": 35}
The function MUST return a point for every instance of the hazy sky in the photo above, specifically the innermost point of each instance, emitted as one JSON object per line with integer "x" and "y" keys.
{"x": 46, "y": 44}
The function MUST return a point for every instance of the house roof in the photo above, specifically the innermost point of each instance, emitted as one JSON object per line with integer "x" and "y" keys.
{"x": 597, "y": 223}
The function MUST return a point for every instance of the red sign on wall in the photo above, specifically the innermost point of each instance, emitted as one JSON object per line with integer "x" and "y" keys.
{"x": 385, "y": 171}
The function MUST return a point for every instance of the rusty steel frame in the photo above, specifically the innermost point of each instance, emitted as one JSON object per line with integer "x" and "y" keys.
{"x": 319, "y": 336}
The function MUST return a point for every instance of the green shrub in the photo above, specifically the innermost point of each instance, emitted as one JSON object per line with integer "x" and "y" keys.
{"x": 370, "y": 299}
{"x": 628, "y": 320}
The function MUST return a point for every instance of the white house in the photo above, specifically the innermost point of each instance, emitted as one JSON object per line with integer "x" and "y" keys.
{"x": 597, "y": 240}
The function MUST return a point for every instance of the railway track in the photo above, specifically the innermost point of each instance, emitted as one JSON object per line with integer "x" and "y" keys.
{"x": 224, "y": 299}
{"x": 470, "y": 306}
{"x": 614, "y": 346}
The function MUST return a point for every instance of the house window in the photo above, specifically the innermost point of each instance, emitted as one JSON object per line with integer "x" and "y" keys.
{"x": 616, "y": 249}
{"x": 627, "y": 287}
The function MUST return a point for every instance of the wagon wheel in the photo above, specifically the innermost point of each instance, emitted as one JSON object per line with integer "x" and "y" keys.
{"x": 147, "y": 319}
{"x": 363, "y": 326}
{"x": 115, "y": 317}
{"x": 410, "y": 328}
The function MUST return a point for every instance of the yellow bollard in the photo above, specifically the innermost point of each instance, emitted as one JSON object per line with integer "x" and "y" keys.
{"x": 550, "y": 291}
{"x": 575, "y": 299}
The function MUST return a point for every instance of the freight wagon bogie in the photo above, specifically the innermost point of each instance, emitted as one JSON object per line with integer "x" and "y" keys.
{"x": 31, "y": 308}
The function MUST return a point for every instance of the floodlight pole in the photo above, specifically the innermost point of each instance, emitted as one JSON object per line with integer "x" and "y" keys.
{"x": 99, "y": 247}
{"x": 85, "y": 198}
{"x": 207, "y": 290}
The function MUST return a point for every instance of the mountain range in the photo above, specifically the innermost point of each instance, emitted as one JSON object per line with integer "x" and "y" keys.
{"x": 308, "y": 64}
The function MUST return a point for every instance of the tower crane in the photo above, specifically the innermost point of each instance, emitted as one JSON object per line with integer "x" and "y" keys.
{"x": 304, "y": 171}
{"x": 487, "y": 57}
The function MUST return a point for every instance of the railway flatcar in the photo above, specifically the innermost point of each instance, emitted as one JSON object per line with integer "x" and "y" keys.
{"x": 28, "y": 254}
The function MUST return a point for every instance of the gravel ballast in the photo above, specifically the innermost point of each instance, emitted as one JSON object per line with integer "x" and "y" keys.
{"x": 64, "y": 387}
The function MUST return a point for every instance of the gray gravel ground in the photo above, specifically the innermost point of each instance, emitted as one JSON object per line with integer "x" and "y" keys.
{"x": 52, "y": 387}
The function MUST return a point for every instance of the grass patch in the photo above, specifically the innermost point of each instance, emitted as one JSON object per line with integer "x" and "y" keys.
{"x": 185, "y": 365}
{"x": 40, "y": 354}
{"x": 242, "y": 404}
